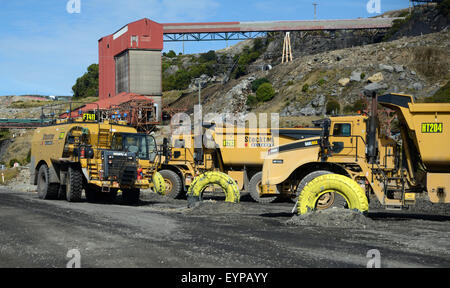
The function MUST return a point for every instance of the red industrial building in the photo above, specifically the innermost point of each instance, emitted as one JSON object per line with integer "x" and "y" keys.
{"x": 130, "y": 69}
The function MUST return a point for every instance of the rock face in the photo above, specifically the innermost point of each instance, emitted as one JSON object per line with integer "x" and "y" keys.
{"x": 204, "y": 80}
{"x": 314, "y": 108}
{"x": 399, "y": 68}
{"x": 378, "y": 77}
{"x": 234, "y": 101}
{"x": 356, "y": 76}
{"x": 386, "y": 68}
{"x": 417, "y": 86}
{"x": 344, "y": 81}
{"x": 376, "y": 87}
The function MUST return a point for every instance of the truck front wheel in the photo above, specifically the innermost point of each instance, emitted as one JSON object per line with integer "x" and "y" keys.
{"x": 74, "y": 187}
{"x": 255, "y": 190}
{"x": 173, "y": 183}
{"x": 354, "y": 196}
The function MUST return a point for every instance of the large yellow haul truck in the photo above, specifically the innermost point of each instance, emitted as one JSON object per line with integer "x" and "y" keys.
{"x": 352, "y": 159}
{"x": 101, "y": 157}
{"x": 237, "y": 152}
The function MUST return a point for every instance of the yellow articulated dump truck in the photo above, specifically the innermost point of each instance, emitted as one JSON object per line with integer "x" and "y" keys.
{"x": 352, "y": 159}
{"x": 100, "y": 157}
{"x": 236, "y": 152}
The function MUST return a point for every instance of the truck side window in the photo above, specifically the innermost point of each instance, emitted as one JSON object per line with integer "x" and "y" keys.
{"x": 342, "y": 130}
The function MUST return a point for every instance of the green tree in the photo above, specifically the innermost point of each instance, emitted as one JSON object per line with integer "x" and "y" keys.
{"x": 333, "y": 107}
{"x": 247, "y": 57}
{"x": 258, "y": 82}
{"x": 210, "y": 56}
{"x": 265, "y": 92}
{"x": 305, "y": 88}
{"x": 87, "y": 85}
{"x": 171, "y": 54}
{"x": 252, "y": 100}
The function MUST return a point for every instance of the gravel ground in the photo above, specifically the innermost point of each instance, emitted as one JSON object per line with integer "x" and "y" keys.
{"x": 162, "y": 232}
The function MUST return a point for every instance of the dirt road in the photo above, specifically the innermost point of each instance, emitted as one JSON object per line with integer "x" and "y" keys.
{"x": 163, "y": 233}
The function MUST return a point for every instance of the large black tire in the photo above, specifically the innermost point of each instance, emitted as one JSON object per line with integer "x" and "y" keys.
{"x": 174, "y": 185}
{"x": 46, "y": 190}
{"x": 255, "y": 187}
{"x": 308, "y": 178}
{"x": 131, "y": 196}
{"x": 349, "y": 190}
{"x": 74, "y": 188}
{"x": 205, "y": 180}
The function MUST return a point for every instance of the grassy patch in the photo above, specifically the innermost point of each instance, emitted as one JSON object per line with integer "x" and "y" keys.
{"x": 171, "y": 96}
{"x": 432, "y": 62}
{"x": 19, "y": 149}
{"x": 28, "y": 104}
{"x": 4, "y": 134}
{"x": 441, "y": 96}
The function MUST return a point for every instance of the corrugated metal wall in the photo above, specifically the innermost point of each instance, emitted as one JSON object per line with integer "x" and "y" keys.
{"x": 145, "y": 72}
{"x": 140, "y": 72}
{"x": 122, "y": 73}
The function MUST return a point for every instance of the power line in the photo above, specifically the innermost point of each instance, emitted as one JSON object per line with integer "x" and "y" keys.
{"x": 315, "y": 10}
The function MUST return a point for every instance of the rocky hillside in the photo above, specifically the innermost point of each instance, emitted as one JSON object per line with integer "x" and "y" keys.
{"x": 328, "y": 70}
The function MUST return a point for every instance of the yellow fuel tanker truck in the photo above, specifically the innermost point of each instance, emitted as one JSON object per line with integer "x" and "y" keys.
{"x": 98, "y": 156}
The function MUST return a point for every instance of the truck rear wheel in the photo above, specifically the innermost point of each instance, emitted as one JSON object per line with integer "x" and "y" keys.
{"x": 74, "y": 187}
{"x": 46, "y": 190}
{"x": 255, "y": 189}
{"x": 351, "y": 192}
{"x": 225, "y": 182}
{"x": 131, "y": 196}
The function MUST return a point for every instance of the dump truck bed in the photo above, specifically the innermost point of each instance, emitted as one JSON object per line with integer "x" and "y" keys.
{"x": 428, "y": 127}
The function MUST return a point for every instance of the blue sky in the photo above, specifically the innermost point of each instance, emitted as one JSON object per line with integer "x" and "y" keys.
{"x": 43, "y": 48}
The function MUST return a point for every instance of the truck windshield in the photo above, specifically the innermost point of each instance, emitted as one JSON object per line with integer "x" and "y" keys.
{"x": 134, "y": 143}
